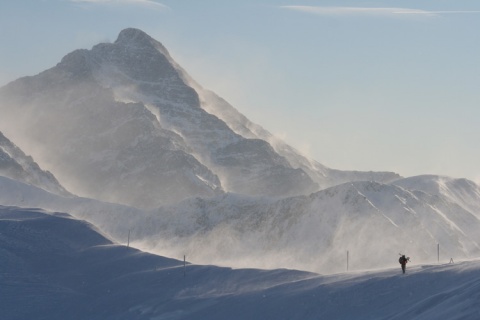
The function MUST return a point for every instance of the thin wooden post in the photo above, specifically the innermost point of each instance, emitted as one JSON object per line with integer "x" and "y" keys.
{"x": 438, "y": 252}
{"x": 184, "y": 266}
{"x": 347, "y": 259}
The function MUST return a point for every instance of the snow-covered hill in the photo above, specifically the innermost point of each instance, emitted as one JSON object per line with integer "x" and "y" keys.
{"x": 55, "y": 267}
{"x": 123, "y": 122}
{"x": 372, "y": 221}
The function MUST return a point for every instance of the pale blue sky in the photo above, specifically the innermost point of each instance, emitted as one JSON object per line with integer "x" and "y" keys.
{"x": 363, "y": 85}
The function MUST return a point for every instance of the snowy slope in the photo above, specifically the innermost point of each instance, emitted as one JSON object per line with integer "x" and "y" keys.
{"x": 324, "y": 176}
{"x": 373, "y": 221}
{"x": 113, "y": 219}
{"x": 461, "y": 191}
{"x": 55, "y": 267}
{"x": 16, "y": 165}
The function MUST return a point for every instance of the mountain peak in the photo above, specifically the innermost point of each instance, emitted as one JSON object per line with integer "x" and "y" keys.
{"x": 133, "y": 37}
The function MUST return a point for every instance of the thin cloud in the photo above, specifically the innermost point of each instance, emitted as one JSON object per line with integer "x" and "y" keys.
{"x": 412, "y": 11}
{"x": 342, "y": 11}
{"x": 143, "y": 3}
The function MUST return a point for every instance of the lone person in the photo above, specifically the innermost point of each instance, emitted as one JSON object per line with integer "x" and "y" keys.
{"x": 403, "y": 261}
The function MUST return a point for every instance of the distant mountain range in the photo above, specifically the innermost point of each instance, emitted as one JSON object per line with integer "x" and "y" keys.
{"x": 142, "y": 148}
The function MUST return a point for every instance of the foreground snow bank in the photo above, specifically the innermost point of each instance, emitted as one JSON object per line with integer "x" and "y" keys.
{"x": 56, "y": 267}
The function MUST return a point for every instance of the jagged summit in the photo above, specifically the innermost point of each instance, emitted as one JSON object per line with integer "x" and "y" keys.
{"x": 133, "y": 35}
{"x": 133, "y": 56}
{"x": 137, "y": 60}
{"x": 139, "y": 39}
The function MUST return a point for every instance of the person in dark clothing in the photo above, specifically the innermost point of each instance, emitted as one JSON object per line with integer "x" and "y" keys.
{"x": 403, "y": 261}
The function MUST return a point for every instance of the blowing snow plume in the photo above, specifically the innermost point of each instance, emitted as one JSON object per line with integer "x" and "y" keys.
{"x": 372, "y": 221}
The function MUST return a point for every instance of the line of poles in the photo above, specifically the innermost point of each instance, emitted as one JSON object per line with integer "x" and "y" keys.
{"x": 348, "y": 256}
{"x": 438, "y": 256}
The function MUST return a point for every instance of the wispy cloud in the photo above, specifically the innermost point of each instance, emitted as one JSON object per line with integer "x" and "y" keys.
{"x": 143, "y": 3}
{"x": 370, "y": 11}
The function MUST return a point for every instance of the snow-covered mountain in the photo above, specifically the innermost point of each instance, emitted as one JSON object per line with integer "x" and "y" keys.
{"x": 56, "y": 267}
{"x": 124, "y": 123}
{"x": 16, "y": 165}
